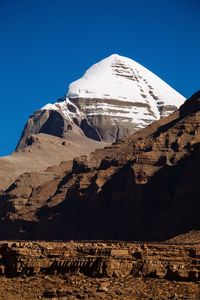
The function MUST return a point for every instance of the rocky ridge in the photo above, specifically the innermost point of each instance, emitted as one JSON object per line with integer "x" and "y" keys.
{"x": 118, "y": 192}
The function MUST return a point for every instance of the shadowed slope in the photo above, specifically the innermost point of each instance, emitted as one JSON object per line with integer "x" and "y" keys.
{"x": 144, "y": 188}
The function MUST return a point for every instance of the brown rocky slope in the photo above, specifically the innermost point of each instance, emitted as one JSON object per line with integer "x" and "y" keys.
{"x": 144, "y": 188}
{"x": 42, "y": 151}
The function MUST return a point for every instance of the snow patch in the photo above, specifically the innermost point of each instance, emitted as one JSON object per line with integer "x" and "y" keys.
{"x": 49, "y": 106}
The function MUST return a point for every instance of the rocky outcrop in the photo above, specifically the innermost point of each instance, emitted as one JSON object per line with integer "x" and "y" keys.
{"x": 100, "y": 259}
{"x": 49, "y": 122}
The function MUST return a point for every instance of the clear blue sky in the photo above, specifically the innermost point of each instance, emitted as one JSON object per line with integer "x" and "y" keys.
{"x": 47, "y": 44}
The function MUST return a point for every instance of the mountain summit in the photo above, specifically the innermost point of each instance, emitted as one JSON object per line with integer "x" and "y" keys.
{"x": 123, "y": 79}
{"x": 114, "y": 98}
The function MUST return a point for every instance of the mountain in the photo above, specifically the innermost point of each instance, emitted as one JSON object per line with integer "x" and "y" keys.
{"x": 143, "y": 188}
{"x": 114, "y": 98}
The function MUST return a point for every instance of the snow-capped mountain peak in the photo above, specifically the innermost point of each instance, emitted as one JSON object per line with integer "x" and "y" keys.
{"x": 118, "y": 77}
{"x": 114, "y": 98}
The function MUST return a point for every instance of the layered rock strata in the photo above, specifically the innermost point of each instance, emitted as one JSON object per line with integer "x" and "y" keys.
{"x": 101, "y": 259}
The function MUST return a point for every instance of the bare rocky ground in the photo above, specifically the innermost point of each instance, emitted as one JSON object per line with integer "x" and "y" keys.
{"x": 82, "y": 287}
{"x": 99, "y": 270}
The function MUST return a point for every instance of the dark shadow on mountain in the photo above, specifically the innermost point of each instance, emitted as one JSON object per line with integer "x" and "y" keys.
{"x": 166, "y": 206}
{"x": 90, "y": 131}
{"x": 54, "y": 124}
{"x": 124, "y": 210}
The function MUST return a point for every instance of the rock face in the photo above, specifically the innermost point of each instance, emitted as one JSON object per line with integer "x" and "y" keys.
{"x": 145, "y": 188}
{"x": 114, "y": 98}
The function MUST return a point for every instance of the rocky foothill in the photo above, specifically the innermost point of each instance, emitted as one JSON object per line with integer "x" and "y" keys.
{"x": 144, "y": 188}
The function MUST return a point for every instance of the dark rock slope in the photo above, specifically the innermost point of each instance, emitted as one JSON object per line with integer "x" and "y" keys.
{"x": 144, "y": 188}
